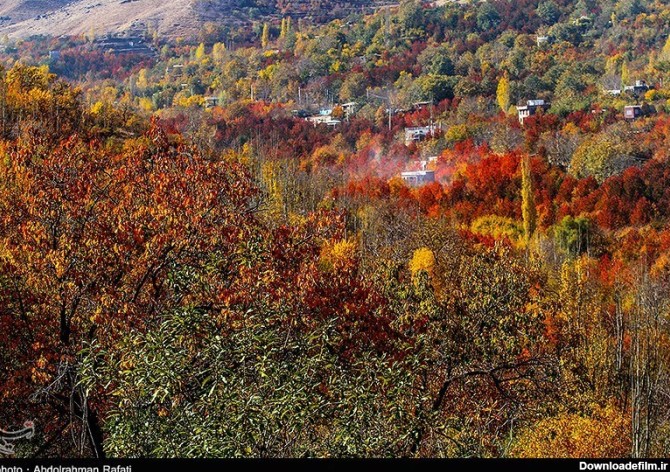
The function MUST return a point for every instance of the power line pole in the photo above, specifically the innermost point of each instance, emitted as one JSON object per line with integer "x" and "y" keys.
{"x": 388, "y": 101}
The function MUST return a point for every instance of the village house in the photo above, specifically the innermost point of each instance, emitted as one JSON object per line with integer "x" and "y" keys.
{"x": 530, "y": 108}
{"x": 631, "y": 112}
{"x": 640, "y": 87}
{"x": 421, "y": 105}
{"x": 349, "y": 108}
{"x": 419, "y": 133}
{"x": 542, "y": 40}
{"x": 211, "y": 102}
{"x": 417, "y": 178}
{"x": 125, "y": 45}
{"x": 323, "y": 120}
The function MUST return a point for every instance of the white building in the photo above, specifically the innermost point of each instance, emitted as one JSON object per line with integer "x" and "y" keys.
{"x": 323, "y": 120}
{"x": 531, "y": 108}
{"x": 419, "y": 133}
{"x": 416, "y": 178}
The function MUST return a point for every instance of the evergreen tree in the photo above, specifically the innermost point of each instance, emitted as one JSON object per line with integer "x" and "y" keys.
{"x": 265, "y": 37}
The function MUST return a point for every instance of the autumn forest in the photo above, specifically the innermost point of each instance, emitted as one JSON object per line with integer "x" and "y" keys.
{"x": 425, "y": 229}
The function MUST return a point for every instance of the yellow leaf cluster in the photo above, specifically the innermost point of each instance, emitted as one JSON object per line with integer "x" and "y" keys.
{"x": 604, "y": 432}
{"x": 422, "y": 260}
{"x": 336, "y": 254}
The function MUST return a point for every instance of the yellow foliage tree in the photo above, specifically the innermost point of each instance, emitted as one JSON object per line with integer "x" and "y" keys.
{"x": 338, "y": 112}
{"x": 498, "y": 227}
{"x": 602, "y": 433}
{"x": 188, "y": 102}
{"x": 146, "y": 104}
{"x": 200, "y": 51}
{"x": 219, "y": 51}
{"x": 275, "y": 195}
{"x": 265, "y": 36}
{"x": 97, "y": 108}
{"x": 423, "y": 259}
{"x": 665, "y": 52}
{"x": 337, "y": 254}
{"x": 503, "y": 94}
{"x": 625, "y": 75}
{"x": 269, "y": 72}
{"x": 143, "y": 79}
{"x": 282, "y": 32}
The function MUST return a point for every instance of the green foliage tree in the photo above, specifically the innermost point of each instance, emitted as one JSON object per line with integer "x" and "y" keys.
{"x": 549, "y": 12}
{"x": 411, "y": 18}
{"x": 487, "y": 16}
{"x": 436, "y": 61}
{"x": 606, "y": 154}
{"x": 436, "y": 87}
{"x": 353, "y": 87}
{"x": 262, "y": 389}
{"x": 629, "y": 8}
{"x": 574, "y": 235}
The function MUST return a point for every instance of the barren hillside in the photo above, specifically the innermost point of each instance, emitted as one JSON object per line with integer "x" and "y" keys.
{"x": 24, "y": 18}
{"x": 73, "y": 17}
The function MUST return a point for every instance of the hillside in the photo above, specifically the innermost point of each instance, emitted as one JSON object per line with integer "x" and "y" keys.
{"x": 25, "y": 18}
{"x": 63, "y": 17}
{"x": 434, "y": 230}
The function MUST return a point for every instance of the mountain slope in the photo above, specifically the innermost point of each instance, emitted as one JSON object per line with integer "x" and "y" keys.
{"x": 74, "y": 17}
{"x": 172, "y": 18}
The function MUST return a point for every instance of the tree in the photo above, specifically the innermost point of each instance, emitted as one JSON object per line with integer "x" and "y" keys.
{"x": 549, "y": 12}
{"x": 436, "y": 61}
{"x": 117, "y": 240}
{"x": 283, "y": 29}
{"x": 528, "y": 209}
{"x": 200, "y": 51}
{"x": 561, "y": 145}
{"x": 35, "y": 101}
{"x": 353, "y": 87}
{"x": 218, "y": 51}
{"x": 625, "y": 74}
{"x": 663, "y": 58}
{"x": 437, "y": 87}
{"x": 503, "y": 94}
{"x": 265, "y": 35}
{"x": 629, "y": 8}
{"x": 261, "y": 389}
{"x": 471, "y": 342}
{"x": 602, "y": 433}
{"x": 575, "y": 236}
{"x": 648, "y": 366}
{"x": 605, "y": 154}
{"x": 488, "y": 17}
{"x": 411, "y": 18}
{"x": 423, "y": 260}
{"x": 289, "y": 34}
